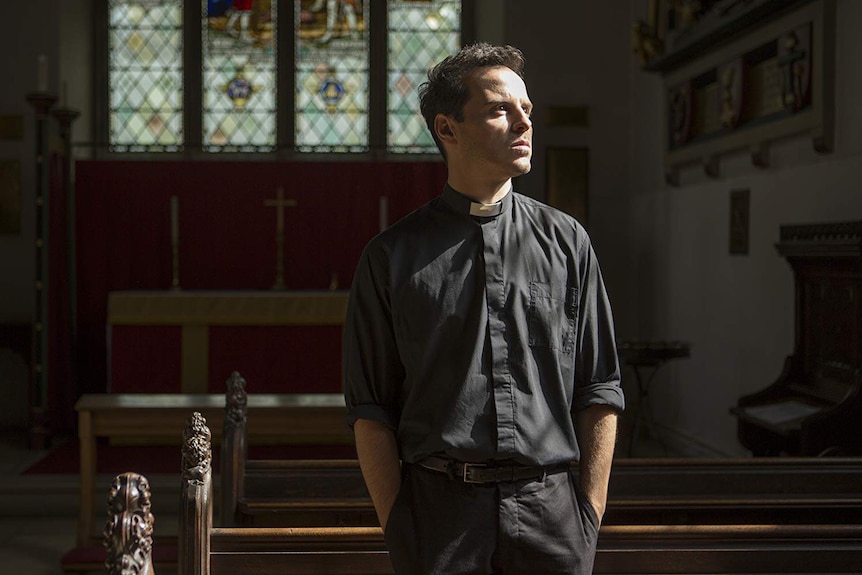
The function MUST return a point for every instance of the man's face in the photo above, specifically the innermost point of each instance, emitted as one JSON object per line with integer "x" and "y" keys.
{"x": 496, "y": 134}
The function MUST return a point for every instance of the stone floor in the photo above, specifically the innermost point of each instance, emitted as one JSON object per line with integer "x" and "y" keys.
{"x": 35, "y": 528}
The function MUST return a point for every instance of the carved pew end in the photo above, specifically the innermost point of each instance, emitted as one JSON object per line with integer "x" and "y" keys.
{"x": 128, "y": 534}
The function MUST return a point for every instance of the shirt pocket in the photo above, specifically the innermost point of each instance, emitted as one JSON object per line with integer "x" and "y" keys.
{"x": 551, "y": 317}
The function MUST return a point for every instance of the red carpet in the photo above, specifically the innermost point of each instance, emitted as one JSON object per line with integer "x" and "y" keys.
{"x": 168, "y": 459}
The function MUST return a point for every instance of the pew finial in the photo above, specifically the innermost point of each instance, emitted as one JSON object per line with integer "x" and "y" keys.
{"x": 237, "y": 400}
{"x": 128, "y": 534}
{"x": 197, "y": 449}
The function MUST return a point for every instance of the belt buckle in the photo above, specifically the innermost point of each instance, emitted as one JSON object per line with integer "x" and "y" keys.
{"x": 465, "y": 475}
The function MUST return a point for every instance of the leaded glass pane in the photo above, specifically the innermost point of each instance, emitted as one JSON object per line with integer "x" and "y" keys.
{"x": 145, "y": 83}
{"x": 239, "y": 75}
{"x": 421, "y": 33}
{"x": 331, "y": 75}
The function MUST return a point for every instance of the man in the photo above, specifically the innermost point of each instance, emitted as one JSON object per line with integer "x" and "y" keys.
{"x": 479, "y": 352}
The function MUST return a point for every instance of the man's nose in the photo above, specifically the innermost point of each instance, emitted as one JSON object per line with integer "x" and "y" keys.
{"x": 523, "y": 122}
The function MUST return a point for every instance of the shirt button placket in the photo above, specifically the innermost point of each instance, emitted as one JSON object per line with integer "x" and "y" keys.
{"x": 504, "y": 400}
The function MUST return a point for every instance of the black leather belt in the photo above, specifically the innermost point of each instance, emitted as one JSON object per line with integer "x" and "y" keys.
{"x": 488, "y": 472}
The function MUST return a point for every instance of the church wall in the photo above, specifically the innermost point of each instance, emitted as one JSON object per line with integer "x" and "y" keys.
{"x": 736, "y": 310}
{"x": 30, "y": 30}
{"x": 664, "y": 251}
{"x": 76, "y": 67}
{"x": 578, "y": 54}
{"x": 490, "y": 21}
{"x": 27, "y": 31}
{"x": 560, "y": 42}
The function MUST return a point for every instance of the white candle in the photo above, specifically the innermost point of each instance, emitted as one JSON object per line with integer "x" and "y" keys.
{"x": 175, "y": 221}
{"x": 384, "y": 213}
{"x": 43, "y": 73}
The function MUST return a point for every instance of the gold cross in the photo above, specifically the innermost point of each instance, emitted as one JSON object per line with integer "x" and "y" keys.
{"x": 279, "y": 203}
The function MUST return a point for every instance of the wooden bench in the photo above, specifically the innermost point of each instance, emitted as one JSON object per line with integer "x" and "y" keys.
{"x": 205, "y": 549}
{"x": 332, "y": 492}
{"x": 641, "y": 491}
{"x": 158, "y": 418}
{"x": 622, "y": 549}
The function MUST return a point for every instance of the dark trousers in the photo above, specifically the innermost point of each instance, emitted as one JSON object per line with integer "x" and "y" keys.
{"x": 442, "y": 526}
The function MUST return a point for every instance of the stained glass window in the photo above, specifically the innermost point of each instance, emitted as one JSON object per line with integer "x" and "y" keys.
{"x": 237, "y": 107}
{"x": 331, "y": 75}
{"x": 239, "y": 75}
{"x": 421, "y": 33}
{"x": 145, "y": 75}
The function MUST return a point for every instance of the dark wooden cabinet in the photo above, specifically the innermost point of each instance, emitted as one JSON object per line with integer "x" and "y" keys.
{"x": 815, "y": 405}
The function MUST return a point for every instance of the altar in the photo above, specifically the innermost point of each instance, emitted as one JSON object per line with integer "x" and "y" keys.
{"x": 190, "y": 341}
{"x": 252, "y": 257}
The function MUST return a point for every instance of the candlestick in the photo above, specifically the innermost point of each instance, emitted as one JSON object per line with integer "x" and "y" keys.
{"x": 384, "y": 213}
{"x": 42, "y": 85}
{"x": 175, "y": 243}
{"x": 175, "y": 221}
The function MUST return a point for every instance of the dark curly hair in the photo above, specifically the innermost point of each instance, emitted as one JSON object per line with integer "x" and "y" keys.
{"x": 445, "y": 91}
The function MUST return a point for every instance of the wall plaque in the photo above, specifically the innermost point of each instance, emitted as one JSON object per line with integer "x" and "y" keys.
{"x": 739, "y": 75}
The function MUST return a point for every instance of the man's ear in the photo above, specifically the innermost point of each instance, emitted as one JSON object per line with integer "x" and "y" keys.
{"x": 445, "y": 128}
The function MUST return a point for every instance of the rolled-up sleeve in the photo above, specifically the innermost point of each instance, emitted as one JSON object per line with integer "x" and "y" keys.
{"x": 372, "y": 366}
{"x": 597, "y": 373}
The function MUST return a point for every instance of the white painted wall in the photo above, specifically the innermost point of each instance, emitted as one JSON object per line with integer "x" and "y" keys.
{"x": 737, "y": 311}
{"x": 30, "y": 30}
{"x": 27, "y": 31}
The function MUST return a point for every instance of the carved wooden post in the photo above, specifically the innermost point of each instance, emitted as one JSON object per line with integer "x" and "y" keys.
{"x": 65, "y": 117}
{"x": 128, "y": 534}
{"x": 234, "y": 450}
{"x": 195, "y": 490}
{"x": 42, "y": 103}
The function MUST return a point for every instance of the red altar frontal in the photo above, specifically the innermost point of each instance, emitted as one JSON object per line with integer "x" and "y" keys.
{"x": 253, "y": 248}
{"x": 190, "y": 342}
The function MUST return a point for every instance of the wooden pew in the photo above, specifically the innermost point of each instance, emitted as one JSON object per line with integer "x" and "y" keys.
{"x": 205, "y": 549}
{"x": 129, "y": 530}
{"x": 642, "y": 491}
{"x": 314, "y": 493}
{"x": 622, "y": 549}
{"x": 730, "y": 490}
{"x": 156, "y": 418}
{"x": 284, "y": 493}
{"x": 128, "y": 544}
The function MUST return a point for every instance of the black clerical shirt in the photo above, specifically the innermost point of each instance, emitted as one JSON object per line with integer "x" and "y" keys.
{"x": 479, "y": 337}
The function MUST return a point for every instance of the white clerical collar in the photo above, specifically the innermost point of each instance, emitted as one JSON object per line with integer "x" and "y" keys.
{"x": 464, "y": 205}
{"x": 486, "y": 210}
